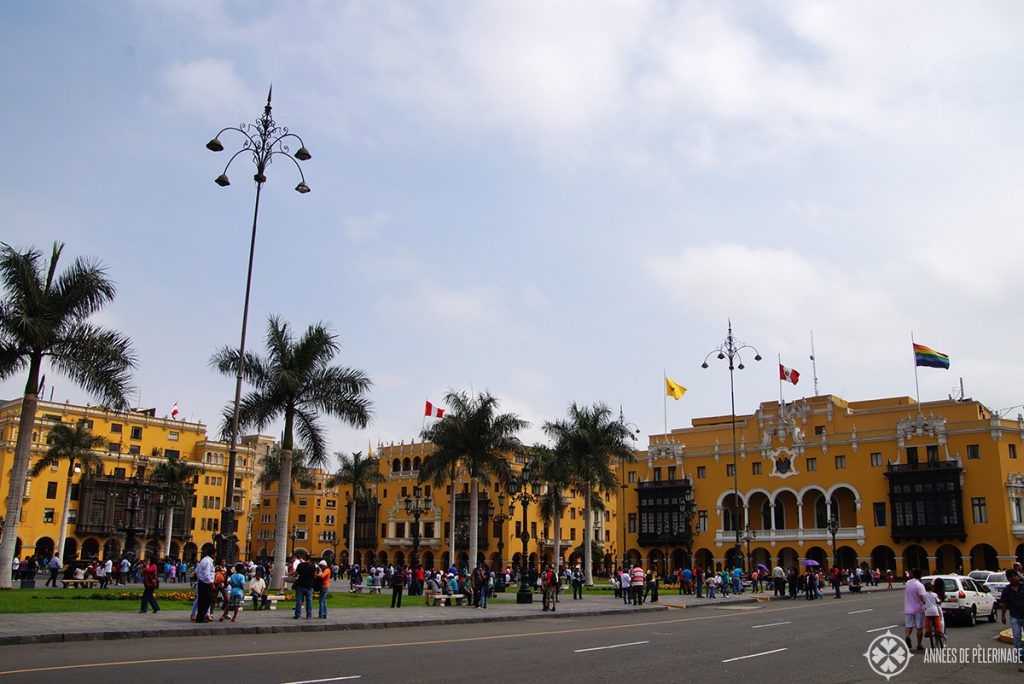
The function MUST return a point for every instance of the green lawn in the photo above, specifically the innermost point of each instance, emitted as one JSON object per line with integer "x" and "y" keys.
{"x": 85, "y": 600}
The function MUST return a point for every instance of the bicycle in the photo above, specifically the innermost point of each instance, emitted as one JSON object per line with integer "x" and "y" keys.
{"x": 936, "y": 640}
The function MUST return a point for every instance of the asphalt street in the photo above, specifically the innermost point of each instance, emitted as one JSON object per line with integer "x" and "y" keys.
{"x": 791, "y": 641}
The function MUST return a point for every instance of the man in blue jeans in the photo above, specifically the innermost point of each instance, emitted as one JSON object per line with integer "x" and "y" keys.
{"x": 1012, "y": 600}
{"x": 54, "y": 565}
{"x": 304, "y": 576}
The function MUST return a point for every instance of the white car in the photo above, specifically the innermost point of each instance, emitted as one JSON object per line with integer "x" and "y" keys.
{"x": 996, "y": 582}
{"x": 965, "y": 598}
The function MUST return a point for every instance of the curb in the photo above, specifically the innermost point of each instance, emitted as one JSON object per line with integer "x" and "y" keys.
{"x": 316, "y": 627}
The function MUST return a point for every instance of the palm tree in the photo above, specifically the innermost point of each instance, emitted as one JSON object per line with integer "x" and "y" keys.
{"x": 360, "y": 474}
{"x": 75, "y": 444}
{"x": 177, "y": 476}
{"x": 296, "y": 381}
{"x": 442, "y": 467}
{"x": 590, "y": 438}
{"x": 552, "y": 468}
{"x": 270, "y": 473}
{"x": 44, "y": 317}
{"x": 473, "y": 434}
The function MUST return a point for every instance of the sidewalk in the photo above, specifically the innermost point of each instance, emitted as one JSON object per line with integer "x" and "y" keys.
{"x": 32, "y": 628}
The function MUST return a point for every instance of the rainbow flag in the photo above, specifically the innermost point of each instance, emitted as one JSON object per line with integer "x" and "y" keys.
{"x": 926, "y": 356}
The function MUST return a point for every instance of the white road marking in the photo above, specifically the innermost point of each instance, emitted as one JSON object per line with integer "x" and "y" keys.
{"x": 773, "y": 624}
{"x": 602, "y": 648}
{"x": 755, "y": 655}
{"x": 332, "y": 679}
{"x": 866, "y": 610}
{"x": 880, "y": 629}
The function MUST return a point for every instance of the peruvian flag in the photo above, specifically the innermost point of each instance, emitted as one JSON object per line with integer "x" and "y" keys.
{"x": 788, "y": 374}
{"x": 174, "y": 410}
{"x": 433, "y": 411}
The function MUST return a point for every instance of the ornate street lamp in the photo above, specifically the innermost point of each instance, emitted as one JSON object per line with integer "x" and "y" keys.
{"x": 730, "y": 349}
{"x": 500, "y": 517}
{"x": 749, "y": 535}
{"x": 521, "y": 488}
{"x": 689, "y": 511}
{"x": 833, "y": 529}
{"x": 416, "y": 505}
{"x": 263, "y": 141}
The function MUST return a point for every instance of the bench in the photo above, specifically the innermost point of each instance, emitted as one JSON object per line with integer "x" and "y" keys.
{"x": 370, "y": 589}
{"x": 273, "y": 600}
{"x": 446, "y": 599}
{"x": 87, "y": 583}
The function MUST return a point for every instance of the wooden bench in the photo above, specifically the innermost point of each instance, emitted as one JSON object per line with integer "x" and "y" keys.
{"x": 87, "y": 583}
{"x": 273, "y": 600}
{"x": 370, "y": 589}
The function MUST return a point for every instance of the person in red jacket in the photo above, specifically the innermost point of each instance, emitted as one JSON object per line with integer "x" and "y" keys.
{"x": 149, "y": 585}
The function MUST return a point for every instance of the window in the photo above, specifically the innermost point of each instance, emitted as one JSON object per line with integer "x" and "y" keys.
{"x": 428, "y": 530}
{"x": 386, "y": 493}
{"x": 119, "y": 473}
{"x": 114, "y": 447}
{"x": 879, "y": 514}
{"x": 74, "y": 492}
{"x": 266, "y": 502}
{"x": 632, "y": 477}
{"x": 1013, "y": 451}
{"x": 400, "y": 530}
{"x": 329, "y": 519}
{"x": 912, "y": 456}
{"x": 317, "y": 520}
{"x": 572, "y": 534}
{"x": 973, "y": 451}
{"x": 632, "y": 523}
{"x": 671, "y": 472}
{"x": 932, "y": 453}
{"x": 756, "y": 468}
{"x": 812, "y": 464}
{"x": 702, "y": 472}
{"x": 657, "y": 474}
{"x": 72, "y": 516}
{"x": 172, "y": 454}
{"x": 332, "y": 503}
{"x": 302, "y": 502}
{"x": 136, "y": 432}
{"x": 426, "y": 490}
{"x": 51, "y": 490}
{"x": 383, "y": 530}
{"x": 1018, "y": 509}
{"x": 302, "y": 517}
{"x": 405, "y": 491}
{"x": 840, "y": 462}
{"x": 134, "y": 449}
{"x": 572, "y": 514}
{"x": 979, "y": 510}
{"x": 607, "y": 536}
{"x": 819, "y": 429}
{"x": 115, "y": 428}
{"x": 702, "y": 521}
{"x": 876, "y": 459}
{"x": 86, "y": 423}
{"x": 730, "y": 469}
{"x": 47, "y": 515}
{"x": 172, "y": 436}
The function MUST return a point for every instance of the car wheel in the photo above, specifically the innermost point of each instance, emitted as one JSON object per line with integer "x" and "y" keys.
{"x": 972, "y": 617}
{"x": 992, "y": 615}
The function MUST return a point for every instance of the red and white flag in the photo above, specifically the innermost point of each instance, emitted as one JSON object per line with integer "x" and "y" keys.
{"x": 788, "y": 374}
{"x": 174, "y": 410}
{"x": 433, "y": 411}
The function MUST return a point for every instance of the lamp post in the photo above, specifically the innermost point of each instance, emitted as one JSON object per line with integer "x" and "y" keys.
{"x": 159, "y": 506}
{"x": 833, "y": 529}
{"x": 416, "y": 505}
{"x": 294, "y": 535}
{"x": 262, "y": 140}
{"x": 623, "y": 486}
{"x": 500, "y": 517}
{"x": 748, "y": 536}
{"x": 526, "y": 491}
{"x": 689, "y": 510}
{"x": 730, "y": 349}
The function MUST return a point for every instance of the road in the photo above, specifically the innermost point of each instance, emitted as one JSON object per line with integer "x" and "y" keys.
{"x": 792, "y": 641}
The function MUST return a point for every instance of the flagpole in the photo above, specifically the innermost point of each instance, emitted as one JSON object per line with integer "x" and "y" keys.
{"x": 664, "y": 400}
{"x": 780, "y": 385}
{"x": 917, "y": 385}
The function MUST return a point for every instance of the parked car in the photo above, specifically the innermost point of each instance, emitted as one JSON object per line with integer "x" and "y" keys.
{"x": 966, "y": 599}
{"x": 996, "y": 582}
{"x": 979, "y": 575}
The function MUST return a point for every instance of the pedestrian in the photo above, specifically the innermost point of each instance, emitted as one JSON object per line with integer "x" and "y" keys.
{"x": 577, "y": 583}
{"x": 205, "y": 577}
{"x": 305, "y": 580}
{"x": 1012, "y": 601}
{"x": 913, "y": 609}
{"x": 236, "y": 592}
{"x": 150, "y": 583}
{"x": 324, "y": 585}
{"x": 398, "y": 580}
{"x": 548, "y": 582}
{"x": 888, "y": 578}
{"x": 636, "y": 583}
{"x": 837, "y": 582}
{"x": 258, "y": 591}
{"x": 933, "y": 610}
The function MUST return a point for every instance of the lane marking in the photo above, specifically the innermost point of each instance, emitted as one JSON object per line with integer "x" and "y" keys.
{"x": 496, "y": 637}
{"x": 866, "y": 610}
{"x": 603, "y": 648}
{"x": 331, "y": 679}
{"x": 773, "y": 624}
{"x": 755, "y": 655}
{"x": 880, "y": 629}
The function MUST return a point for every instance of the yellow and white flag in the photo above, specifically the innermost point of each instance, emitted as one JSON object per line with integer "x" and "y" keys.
{"x": 673, "y": 389}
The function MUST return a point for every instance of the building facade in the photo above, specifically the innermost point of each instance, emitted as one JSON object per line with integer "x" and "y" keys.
{"x": 938, "y": 486}
{"x": 120, "y": 506}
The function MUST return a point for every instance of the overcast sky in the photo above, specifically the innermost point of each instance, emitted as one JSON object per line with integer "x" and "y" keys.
{"x": 553, "y": 201}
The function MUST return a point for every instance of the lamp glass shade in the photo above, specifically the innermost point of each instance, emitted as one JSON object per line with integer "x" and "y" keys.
{"x": 222, "y": 180}
{"x": 215, "y": 145}
{"x": 302, "y": 154}
{"x": 757, "y": 357}
{"x": 302, "y": 188}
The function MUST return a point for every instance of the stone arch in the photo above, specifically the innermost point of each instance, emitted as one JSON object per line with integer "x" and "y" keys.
{"x": 44, "y": 547}
{"x": 632, "y": 557}
{"x": 816, "y": 553}
{"x": 111, "y": 549}
{"x": 983, "y": 557}
{"x": 406, "y": 464}
{"x": 679, "y": 559}
{"x": 495, "y": 563}
{"x": 757, "y": 500}
{"x": 914, "y": 556}
{"x": 784, "y": 490}
{"x": 91, "y": 548}
{"x": 845, "y": 501}
{"x": 399, "y": 559}
{"x": 733, "y": 557}
{"x": 416, "y": 462}
{"x": 396, "y": 465}
{"x": 760, "y": 556}
{"x": 847, "y": 557}
{"x": 190, "y": 552}
{"x": 70, "y": 549}
{"x": 209, "y": 549}
{"x": 656, "y": 560}
{"x": 728, "y": 511}
{"x": 328, "y": 556}
{"x": 428, "y": 560}
{"x": 883, "y": 558}
{"x": 787, "y": 557}
{"x": 382, "y": 558}
{"x": 704, "y": 558}
{"x": 785, "y": 509}
{"x": 533, "y": 560}
{"x": 174, "y": 550}
{"x": 947, "y": 560}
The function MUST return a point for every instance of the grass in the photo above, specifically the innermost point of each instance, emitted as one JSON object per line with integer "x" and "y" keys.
{"x": 90, "y": 600}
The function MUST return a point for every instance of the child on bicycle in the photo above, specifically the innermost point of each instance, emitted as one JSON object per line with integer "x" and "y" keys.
{"x": 932, "y": 611}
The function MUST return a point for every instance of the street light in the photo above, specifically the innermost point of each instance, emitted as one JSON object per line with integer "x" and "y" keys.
{"x": 730, "y": 349}
{"x": 833, "y": 529}
{"x": 521, "y": 488}
{"x": 499, "y": 516}
{"x": 749, "y": 535}
{"x": 263, "y": 140}
{"x": 416, "y": 505}
{"x": 623, "y": 486}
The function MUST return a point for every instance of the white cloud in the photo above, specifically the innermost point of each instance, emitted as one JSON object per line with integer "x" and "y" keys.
{"x": 364, "y": 227}
{"x": 210, "y": 87}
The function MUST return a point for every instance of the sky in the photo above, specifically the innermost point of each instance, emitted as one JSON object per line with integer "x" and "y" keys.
{"x": 550, "y": 201}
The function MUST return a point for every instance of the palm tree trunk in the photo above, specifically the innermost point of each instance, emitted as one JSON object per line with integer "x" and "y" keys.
{"x": 352, "y": 530}
{"x": 19, "y": 471}
{"x": 64, "y": 517}
{"x": 474, "y": 522}
{"x": 168, "y": 528}
{"x": 588, "y": 536}
{"x": 451, "y": 525}
{"x": 558, "y": 540}
{"x": 284, "y": 495}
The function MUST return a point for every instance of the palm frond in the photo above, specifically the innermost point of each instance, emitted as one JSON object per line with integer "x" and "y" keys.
{"x": 99, "y": 360}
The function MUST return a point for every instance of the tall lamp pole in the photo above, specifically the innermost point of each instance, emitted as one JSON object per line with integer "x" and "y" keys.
{"x": 730, "y": 349}
{"x": 833, "y": 529}
{"x": 500, "y": 517}
{"x": 263, "y": 141}
{"x": 416, "y": 505}
{"x": 521, "y": 488}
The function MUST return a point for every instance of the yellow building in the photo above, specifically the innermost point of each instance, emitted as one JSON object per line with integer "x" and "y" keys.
{"x": 318, "y": 520}
{"x": 937, "y": 486}
{"x": 102, "y": 504}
